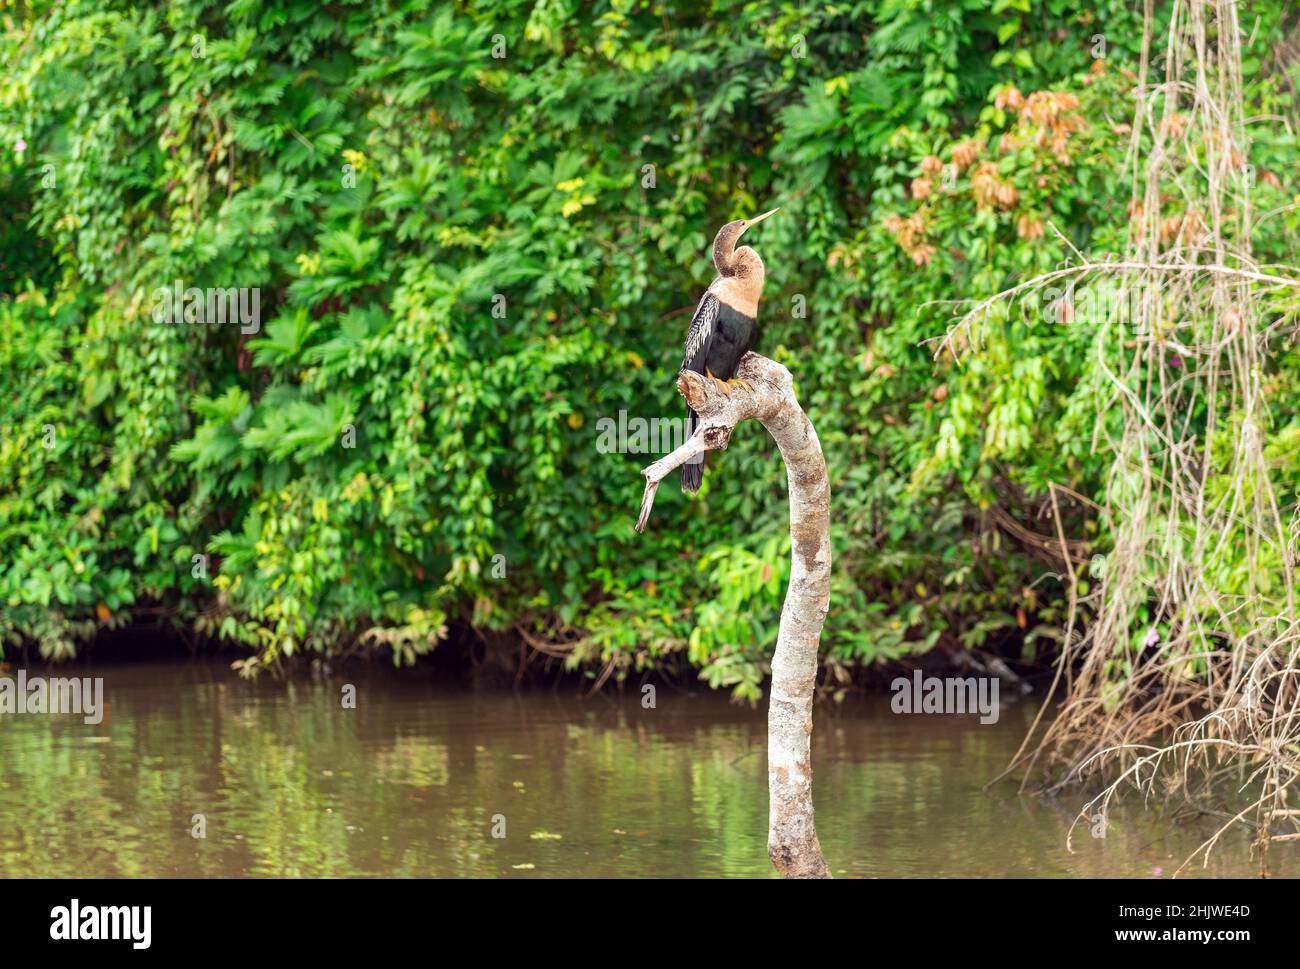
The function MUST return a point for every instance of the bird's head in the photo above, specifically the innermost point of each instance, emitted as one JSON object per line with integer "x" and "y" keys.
{"x": 744, "y": 261}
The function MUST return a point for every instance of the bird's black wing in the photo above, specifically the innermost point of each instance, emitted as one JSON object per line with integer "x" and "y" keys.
{"x": 700, "y": 334}
{"x": 698, "y": 340}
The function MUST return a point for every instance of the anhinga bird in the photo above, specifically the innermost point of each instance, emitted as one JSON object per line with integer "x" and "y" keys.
{"x": 725, "y": 325}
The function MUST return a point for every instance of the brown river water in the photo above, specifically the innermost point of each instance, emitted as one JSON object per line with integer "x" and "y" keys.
{"x": 414, "y": 780}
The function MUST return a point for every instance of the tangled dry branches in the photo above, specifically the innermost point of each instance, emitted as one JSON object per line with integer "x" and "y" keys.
{"x": 1185, "y": 680}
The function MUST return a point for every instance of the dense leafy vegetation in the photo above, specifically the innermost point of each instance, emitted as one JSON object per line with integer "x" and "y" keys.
{"x": 476, "y": 232}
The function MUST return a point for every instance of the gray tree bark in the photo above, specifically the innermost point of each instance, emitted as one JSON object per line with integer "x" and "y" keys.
{"x": 791, "y": 837}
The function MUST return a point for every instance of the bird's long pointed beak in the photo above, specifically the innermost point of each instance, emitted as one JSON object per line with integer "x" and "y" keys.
{"x": 757, "y": 219}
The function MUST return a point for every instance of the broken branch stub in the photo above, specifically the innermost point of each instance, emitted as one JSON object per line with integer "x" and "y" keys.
{"x": 792, "y": 840}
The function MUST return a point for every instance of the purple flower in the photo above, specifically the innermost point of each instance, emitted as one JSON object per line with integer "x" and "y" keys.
{"x": 1152, "y": 637}
{"x": 20, "y": 146}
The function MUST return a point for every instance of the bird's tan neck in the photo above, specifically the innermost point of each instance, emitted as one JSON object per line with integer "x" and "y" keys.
{"x": 741, "y": 293}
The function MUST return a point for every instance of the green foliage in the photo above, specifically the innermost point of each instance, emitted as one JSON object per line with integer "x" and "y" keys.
{"x": 464, "y": 263}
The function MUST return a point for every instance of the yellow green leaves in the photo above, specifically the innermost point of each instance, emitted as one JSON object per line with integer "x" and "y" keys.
{"x": 291, "y": 425}
{"x": 836, "y": 85}
{"x": 575, "y": 198}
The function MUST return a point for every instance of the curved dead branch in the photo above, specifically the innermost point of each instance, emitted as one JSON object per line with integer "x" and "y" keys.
{"x": 792, "y": 840}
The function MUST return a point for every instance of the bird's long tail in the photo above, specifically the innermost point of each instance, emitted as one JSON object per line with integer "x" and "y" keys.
{"x": 693, "y": 470}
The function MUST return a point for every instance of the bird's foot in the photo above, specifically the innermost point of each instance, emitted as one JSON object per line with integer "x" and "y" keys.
{"x": 723, "y": 386}
{"x": 741, "y": 382}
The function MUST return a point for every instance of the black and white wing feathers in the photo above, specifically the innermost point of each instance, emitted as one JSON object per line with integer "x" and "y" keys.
{"x": 700, "y": 334}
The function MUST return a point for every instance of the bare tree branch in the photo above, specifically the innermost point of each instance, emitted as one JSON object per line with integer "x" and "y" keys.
{"x": 792, "y": 839}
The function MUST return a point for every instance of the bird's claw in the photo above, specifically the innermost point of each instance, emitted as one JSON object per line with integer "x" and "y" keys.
{"x": 727, "y": 387}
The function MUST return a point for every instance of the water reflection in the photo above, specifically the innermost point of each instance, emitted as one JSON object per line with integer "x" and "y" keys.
{"x": 291, "y": 784}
